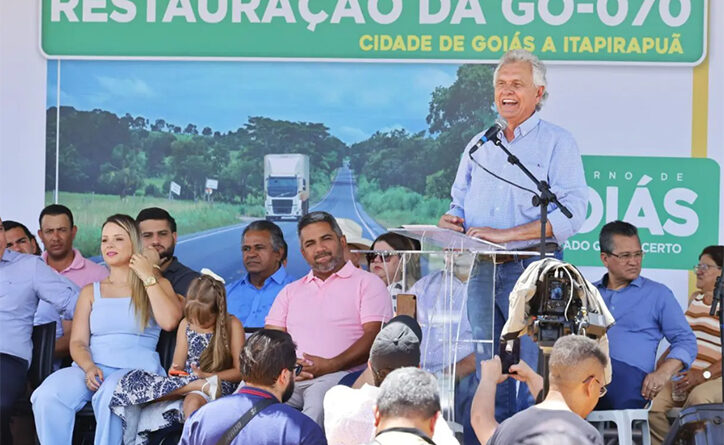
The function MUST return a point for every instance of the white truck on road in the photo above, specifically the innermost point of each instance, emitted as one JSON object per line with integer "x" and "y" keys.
{"x": 286, "y": 186}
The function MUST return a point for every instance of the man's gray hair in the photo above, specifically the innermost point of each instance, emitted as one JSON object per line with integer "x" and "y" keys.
{"x": 409, "y": 393}
{"x": 315, "y": 217}
{"x": 274, "y": 231}
{"x": 537, "y": 67}
{"x": 572, "y": 350}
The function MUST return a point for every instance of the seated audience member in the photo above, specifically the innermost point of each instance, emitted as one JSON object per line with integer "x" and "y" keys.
{"x": 333, "y": 313}
{"x": 205, "y": 365}
{"x": 349, "y": 414}
{"x": 24, "y": 279}
{"x": 116, "y": 328}
{"x": 57, "y": 232}
{"x": 389, "y": 265}
{"x": 702, "y": 382}
{"x": 19, "y": 238}
{"x": 355, "y": 241}
{"x": 645, "y": 312}
{"x": 158, "y": 230}
{"x": 263, "y": 249}
{"x": 268, "y": 366}
{"x": 576, "y": 379}
{"x": 408, "y": 408}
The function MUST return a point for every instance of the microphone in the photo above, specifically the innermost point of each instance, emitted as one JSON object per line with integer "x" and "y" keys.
{"x": 490, "y": 135}
{"x": 718, "y": 294}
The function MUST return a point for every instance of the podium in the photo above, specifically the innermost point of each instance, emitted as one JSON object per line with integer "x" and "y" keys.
{"x": 438, "y": 275}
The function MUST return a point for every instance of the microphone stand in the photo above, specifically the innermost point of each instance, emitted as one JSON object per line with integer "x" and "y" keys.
{"x": 717, "y": 300}
{"x": 546, "y": 195}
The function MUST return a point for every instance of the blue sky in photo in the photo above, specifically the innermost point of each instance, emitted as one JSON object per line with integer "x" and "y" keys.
{"x": 353, "y": 99}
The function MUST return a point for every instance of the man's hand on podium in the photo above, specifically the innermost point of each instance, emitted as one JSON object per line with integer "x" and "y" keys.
{"x": 491, "y": 234}
{"x": 451, "y": 222}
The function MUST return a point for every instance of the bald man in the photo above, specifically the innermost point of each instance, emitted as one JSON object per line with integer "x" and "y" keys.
{"x": 576, "y": 380}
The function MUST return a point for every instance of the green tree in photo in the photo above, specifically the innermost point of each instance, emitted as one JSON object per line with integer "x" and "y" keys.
{"x": 123, "y": 174}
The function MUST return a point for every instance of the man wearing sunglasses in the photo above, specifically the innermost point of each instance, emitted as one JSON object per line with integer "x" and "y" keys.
{"x": 645, "y": 312}
{"x": 576, "y": 379}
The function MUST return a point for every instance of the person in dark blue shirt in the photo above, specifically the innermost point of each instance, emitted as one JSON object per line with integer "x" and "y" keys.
{"x": 645, "y": 312}
{"x": 268, "y": 366}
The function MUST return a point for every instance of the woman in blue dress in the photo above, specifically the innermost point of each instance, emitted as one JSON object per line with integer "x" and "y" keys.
{"x": 116, "y": 327}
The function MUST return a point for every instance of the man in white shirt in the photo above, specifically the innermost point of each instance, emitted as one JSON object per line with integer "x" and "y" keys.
{"x": 349, "y": 413}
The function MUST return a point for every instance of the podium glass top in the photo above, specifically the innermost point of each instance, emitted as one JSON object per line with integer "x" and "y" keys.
{"x": 433, "y": 237}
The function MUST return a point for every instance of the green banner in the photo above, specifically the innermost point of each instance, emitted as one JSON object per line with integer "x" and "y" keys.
{"x": 632, "y": 31}
{"x": 674, "y": 202}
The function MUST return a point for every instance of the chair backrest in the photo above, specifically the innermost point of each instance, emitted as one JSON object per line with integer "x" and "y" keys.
{"x": 43, "y": 347}
{"x": 165, "y": 348}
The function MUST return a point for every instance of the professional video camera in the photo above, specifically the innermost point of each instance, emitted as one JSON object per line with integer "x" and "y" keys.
{"x": 557, "y": 309}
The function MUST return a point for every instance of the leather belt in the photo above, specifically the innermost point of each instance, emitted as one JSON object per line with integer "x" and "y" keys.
{"x": 508, "y": 257}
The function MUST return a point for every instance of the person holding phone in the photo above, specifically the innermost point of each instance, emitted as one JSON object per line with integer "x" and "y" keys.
{"x": 116, "y": 327}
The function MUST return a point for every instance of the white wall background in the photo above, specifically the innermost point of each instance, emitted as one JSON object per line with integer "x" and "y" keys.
{"x": 641, "y": 110}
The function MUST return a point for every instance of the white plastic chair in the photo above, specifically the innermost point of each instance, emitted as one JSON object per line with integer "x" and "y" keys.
{"x": 624, "y": 420}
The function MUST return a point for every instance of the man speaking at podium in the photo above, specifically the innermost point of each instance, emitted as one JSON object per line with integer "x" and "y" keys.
{"x": 488, "y": 208}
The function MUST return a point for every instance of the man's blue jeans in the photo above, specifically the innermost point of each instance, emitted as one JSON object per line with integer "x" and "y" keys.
{"x": 488, "y": 290}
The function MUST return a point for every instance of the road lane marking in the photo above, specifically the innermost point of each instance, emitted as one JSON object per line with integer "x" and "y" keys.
{"x": 206, "y": 235}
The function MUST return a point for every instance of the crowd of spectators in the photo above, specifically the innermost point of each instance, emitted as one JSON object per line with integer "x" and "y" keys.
{"x": 324, "y": 356}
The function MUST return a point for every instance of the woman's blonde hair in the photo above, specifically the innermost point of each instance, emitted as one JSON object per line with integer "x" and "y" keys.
{"x": 139, "y": 297}
{"x": 206, "y": 299}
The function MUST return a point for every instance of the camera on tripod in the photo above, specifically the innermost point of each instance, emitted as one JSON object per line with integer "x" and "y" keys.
{"x": 558, "y": 310}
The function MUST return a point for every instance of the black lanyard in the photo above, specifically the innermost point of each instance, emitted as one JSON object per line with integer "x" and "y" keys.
{"x": 402, "y": 429}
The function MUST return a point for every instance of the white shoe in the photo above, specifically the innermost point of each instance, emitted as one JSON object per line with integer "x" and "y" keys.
{"x": 214, "y": 387}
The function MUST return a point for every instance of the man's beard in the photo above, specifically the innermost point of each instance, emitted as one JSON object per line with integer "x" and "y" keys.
{"x": 331, "y": 265}
{"x": 166, "y": 254}
{"x": 288, "y": 391}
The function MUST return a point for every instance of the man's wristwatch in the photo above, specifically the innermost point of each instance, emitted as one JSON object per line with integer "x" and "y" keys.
{"x": 150, "y": 281}
{"x": 706, "y": 374}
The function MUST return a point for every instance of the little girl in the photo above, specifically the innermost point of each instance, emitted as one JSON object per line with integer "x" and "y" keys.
{"x": 205, "y": 362}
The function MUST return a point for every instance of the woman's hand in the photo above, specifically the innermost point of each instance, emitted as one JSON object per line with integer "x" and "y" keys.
{"x": 141, "y": 266}
{"x": 689, "y": 380}
{"x": 201, "y": 374}
{"x": 152, "y": 255}
{"x": 93, "y": 378}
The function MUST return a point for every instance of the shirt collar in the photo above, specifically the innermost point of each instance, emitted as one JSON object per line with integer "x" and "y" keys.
{"x": 253, "y": 390}
{"x": 345, "y": 272}
{"x": 603, "y": 282}
{"x": 9, "y": 256}
{"x": 77, "y": 263}
{"x": 278, "y": 276}
{"x": 173, "y": 266}
{"x": 527, "y": 126}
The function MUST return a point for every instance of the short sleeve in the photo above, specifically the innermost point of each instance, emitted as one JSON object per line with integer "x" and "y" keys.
{"x": 280, "y": 308}
{"x": 375, "y": 304}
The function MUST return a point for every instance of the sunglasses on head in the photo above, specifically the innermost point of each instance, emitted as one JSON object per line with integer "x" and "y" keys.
{"x": 372, "y": 256}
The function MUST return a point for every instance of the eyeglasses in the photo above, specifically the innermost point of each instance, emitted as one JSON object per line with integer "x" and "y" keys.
{"x": 372, "y": 256}
{"x": 296, "y": 369}
{"x": 628, "y": 255}
{"x": 705, "y": 267}
{"x": 601, "y": 392}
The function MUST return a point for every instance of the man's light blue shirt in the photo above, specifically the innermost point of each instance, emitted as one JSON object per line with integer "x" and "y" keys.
{"x": 24, "y": 280}
{"x": 251, "y": 305}
{"x": 549, "y": 152}
{"x": 645, "y": 312}
{"x": 441, "y": 316}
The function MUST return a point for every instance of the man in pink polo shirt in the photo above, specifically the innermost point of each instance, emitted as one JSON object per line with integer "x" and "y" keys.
{"x": 333, "y": 313}
{"x": 57, "y": 232}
